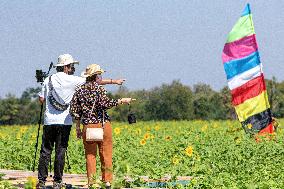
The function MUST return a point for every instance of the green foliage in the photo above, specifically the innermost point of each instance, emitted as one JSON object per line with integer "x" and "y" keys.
{"x": 6, "y": 185}
{"x": 173, "y": 101}
{"x": 276, "y": 96}
{"x": 9, "y": 109}
{"x": 170, "y": 102}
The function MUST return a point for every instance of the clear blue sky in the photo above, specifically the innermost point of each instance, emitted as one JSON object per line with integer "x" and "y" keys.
{"x": 146, "y": 42}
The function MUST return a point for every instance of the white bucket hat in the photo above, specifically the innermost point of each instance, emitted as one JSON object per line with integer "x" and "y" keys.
{"x": 65, "y": 59}
{"x": 91, "y": 70}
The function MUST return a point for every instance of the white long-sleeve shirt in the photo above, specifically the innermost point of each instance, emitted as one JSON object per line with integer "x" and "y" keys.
{"x": 65, "y": 86}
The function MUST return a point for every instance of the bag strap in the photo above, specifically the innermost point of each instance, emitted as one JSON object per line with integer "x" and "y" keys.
{"x": 51, "y": 88}
{"x": 97, "y": 94}
{"x": 50, "y": 84}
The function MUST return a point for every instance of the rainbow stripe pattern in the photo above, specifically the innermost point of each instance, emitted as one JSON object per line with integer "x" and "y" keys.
{"x": 245, "y": 76}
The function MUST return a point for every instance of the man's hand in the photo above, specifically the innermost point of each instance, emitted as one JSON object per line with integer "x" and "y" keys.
{"x": 41, "y": 100}
{"x": 118, "y": 81}
{"x": 125, "y": 100}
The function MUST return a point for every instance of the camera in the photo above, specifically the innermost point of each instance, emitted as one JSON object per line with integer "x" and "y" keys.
{"x": 40, "y": 75}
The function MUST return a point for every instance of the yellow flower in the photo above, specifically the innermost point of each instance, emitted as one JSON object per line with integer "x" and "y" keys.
{"x": 33, "y": 181}
{"x": 138, "y": 131}
{"x": 142, "y": 142}
{"x": 249, "y": 125}
{"x": 18, "y": 137}
{"x": 175, "y": 160}
{"x": 237, "y": 140}
{"x": 204, "y": 128}
{"x": 34, "y": 135}
{"x": 23, "y": 130}
{"x": 117, "y": 131}
{"x": 147, "y": 136}
{"x": 157, "y": 127}
{"x": 168, "y": 138}
{"x": 189, "y": 151}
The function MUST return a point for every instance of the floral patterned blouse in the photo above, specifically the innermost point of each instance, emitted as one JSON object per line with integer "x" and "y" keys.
{"x": 91, "y": 96}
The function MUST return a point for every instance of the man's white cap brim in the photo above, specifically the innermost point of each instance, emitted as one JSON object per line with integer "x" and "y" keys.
{"x": 67, "y": 63}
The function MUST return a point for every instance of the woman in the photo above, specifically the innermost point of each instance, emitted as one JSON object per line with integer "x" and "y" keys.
{"x": 89, "y": 104}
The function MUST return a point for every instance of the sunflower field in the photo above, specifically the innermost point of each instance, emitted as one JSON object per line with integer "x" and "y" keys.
{"x": 216, "y": 154}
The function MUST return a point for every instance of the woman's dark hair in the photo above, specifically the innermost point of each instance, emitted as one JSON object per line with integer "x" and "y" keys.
{"x": 60, "y": 68}
{"x": 91, "y": 78}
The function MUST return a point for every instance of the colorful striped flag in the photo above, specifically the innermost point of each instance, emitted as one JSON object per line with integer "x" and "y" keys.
{"x": 245, "y": 76}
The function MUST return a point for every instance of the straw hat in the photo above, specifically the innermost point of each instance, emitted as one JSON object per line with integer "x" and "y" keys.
{"x": 65, "y": 59}
{"x": 91, "y": 70}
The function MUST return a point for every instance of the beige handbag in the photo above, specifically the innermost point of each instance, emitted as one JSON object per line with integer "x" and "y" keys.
{"x": 95, "y": 134}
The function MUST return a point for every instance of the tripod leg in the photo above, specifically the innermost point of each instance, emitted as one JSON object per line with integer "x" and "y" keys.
{"x": 36, "y": 145}
{"x": 50, "y": 166}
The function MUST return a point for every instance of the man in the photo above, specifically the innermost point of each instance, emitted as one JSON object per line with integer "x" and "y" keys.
{"x": 57, "y": 92}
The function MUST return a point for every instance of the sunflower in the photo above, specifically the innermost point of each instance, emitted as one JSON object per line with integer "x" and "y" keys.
{"x": 138, "y": 131}
{"x": 249, "y": 126}
{"x": 175, "y": 160}
{"x": 32, "y": 181}
{"x": 157, "y": 127}
{"x": 23, "y": 130}
{"x": 204, "y": 128}
{"x": 117, "y": 131}
{"x": 142, "y": 142}
{"x": 147, "y": 136}
{"x": 168, "y": 138}
{"x": 189, "y": 151}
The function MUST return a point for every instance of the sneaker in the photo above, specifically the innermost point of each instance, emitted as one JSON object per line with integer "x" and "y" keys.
{"x": 40, "y": 185}
{"x": 57, "y": 185}
{"x": 108, "y": 186}
{"x": 68, "y": 186}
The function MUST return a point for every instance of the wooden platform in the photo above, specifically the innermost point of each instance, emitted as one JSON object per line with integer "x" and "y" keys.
{"x": 19, "y": 178}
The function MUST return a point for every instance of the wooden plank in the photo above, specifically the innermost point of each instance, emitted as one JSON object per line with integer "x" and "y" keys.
{"x": 20, "y": 177}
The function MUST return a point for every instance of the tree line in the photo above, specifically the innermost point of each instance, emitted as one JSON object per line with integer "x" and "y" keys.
{"x": 173, "y": 101}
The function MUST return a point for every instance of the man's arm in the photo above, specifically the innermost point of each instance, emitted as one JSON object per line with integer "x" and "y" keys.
{"x": 111, "y": 81}
{"x": 42, "y": 92}
{"x": 41, "y": 99}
